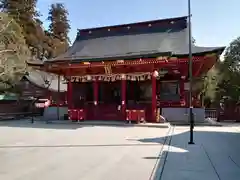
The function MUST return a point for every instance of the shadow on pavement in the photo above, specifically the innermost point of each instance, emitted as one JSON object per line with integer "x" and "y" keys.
{"x": 38, "y": 125}
{"x": 215, "y": 155}
{"x": 72, "y": 125}
{"x": 77, "y": 145}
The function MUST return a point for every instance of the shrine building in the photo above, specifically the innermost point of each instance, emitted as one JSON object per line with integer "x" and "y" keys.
{"x": 130, "y": 72}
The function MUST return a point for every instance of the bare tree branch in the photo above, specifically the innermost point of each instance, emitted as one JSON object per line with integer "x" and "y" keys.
{"x": 7, "y": 50}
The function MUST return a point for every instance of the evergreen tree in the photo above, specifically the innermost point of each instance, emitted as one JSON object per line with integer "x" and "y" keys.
{"x": 58, "y": 29}
{"x": 230, "y": 71}
{"x": 59, "y": 26}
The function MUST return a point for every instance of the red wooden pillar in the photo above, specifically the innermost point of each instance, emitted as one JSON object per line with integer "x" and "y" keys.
{"x": 95, "y": 91}
{"x": 95, "y": 99}
{"x": 69, "y": 94}
{"x": 58, "y": 98}
{"x": 154, "y": 97}
{"x": 123, "y": 95}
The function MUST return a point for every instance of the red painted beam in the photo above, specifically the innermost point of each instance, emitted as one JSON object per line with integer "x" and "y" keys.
{"x": 120, "y": 66}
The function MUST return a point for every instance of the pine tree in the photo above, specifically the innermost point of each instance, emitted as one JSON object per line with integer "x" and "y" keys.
{"x": 59, "y": 26}
{"x": 58, "y": 29}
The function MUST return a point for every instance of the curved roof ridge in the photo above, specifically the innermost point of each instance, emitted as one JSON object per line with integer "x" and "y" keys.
{"x": 133, "y": 28}
{"x": 136, "y": 23}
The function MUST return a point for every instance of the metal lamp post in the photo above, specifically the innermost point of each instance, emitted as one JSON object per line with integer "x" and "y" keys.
{"x": 191, "y": 116}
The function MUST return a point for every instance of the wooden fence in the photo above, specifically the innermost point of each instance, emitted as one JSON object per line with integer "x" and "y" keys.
{"x": 211, "y": 113}
{"x": 231, "y": 113}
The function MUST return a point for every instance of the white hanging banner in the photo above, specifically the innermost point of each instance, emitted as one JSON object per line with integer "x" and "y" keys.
{"x": 112, "y": 77}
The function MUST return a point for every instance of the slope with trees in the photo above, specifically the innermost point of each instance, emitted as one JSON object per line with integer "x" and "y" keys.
{"x": 13, "y": 53}
{"x": 25, "y": 14}
{"x": 42, "y": 43}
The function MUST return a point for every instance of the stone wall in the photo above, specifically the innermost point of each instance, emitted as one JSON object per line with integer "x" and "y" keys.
{"x": 181, "y": 114}
{"x": 51, "y": 113}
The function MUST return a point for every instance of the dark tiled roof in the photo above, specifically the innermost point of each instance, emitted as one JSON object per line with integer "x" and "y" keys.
{"x": 153, "y": 38}
{"x": 35, "y": 62}
{"x": 39, "y": 77}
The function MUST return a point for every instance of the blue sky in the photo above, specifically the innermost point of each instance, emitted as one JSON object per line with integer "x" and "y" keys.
{"x": 214, "y": 22}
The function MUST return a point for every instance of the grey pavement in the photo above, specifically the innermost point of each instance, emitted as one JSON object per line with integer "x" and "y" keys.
{"x": 215, "y": 155}
{"x": 70, "y": 151}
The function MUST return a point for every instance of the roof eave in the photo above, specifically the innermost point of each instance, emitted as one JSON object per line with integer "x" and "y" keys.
{"x": 218, "y": 51}
{"x": 112, "y": 58}
{"x": 35, "y": 63}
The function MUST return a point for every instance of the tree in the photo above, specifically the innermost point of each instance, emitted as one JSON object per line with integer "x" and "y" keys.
{"x": 229, "y": 85}
{"x": 59, "y": 28}
{"x": 25, "y": 14}
{"x": 210, "y": 84}
{"x": 13, "y": 53}
{"x": 59, "y": 23}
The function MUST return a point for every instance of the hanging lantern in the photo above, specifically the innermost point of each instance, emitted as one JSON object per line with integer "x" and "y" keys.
{"x": 123, "y": 76}
{"x": 47, "y": 103}
{"x": 155, "y": 73}
{"x": 142, "y": 78}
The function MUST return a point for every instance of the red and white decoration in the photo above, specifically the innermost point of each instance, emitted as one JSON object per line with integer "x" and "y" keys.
{"x": 113, "y": 77}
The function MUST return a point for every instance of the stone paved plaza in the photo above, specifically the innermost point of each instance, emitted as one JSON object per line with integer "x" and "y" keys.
{"x": 69, "y": 152}
{"x": 215, "y": 155}
{"x": 83, "y": 152}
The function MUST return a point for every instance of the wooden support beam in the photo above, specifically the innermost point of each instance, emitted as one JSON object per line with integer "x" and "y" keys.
{"x": 196, "y": 73}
